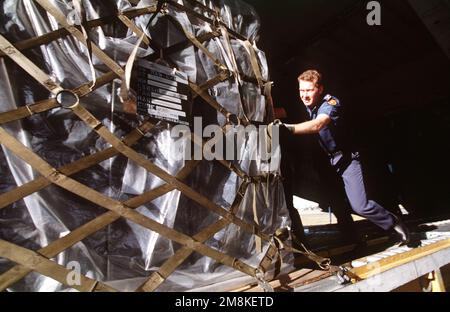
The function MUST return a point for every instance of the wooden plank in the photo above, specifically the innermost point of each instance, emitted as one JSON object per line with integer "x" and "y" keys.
{"x": 394, "y": 261}
{"x": 385, "y": 281}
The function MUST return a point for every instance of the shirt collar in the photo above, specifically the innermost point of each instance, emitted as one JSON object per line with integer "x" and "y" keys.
{"x": 313, "y": 110}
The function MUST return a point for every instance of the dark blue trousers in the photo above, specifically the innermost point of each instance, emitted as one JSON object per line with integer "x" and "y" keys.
{"x": 348, "y": 166}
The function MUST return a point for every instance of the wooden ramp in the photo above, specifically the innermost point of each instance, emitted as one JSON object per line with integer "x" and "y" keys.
{"x": 397, "y": 268}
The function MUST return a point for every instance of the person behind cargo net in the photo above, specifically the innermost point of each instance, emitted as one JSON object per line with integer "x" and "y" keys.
{"x": 326, "y": 120}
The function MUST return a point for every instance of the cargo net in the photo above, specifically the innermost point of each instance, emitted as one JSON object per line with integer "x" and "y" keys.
{"x": 91, "y": 197}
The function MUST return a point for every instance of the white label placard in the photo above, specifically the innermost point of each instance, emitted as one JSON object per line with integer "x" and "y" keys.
{"x": 162, "y": 93}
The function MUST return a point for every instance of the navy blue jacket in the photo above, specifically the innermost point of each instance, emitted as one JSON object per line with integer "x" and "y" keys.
{"x": 332, "y": 137}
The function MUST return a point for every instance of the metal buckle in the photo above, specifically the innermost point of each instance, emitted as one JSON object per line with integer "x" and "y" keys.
{"x": 67, "y": 99}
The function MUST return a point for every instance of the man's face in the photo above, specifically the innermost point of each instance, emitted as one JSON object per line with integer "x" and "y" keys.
{"x": 310, "y": 93}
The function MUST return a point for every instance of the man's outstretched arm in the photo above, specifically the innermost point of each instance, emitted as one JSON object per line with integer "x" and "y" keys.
{"x": 311, "y": 126}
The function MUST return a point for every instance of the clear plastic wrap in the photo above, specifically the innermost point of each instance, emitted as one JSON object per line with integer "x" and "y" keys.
{"x": 123, "y": 254}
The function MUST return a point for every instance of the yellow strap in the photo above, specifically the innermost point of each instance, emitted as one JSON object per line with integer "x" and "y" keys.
{"x": 48, "y": 268}
{"x": 132, "y": 26}
{"x": 28, "y": 66}
{"x": 230, "y": 52}
{"x": 202, "y": 17}
{"x": 267, "y": 260}
{"x": 72, "y": 168}
{"x": 45, "y": 105}
{"x": 54, "y": 248}
{"x": 27, "y": 110}
{"x": 213, "y": 81}
{"x": 126, "y": 80}
{"x": 55, "y": 174}
{"x": 269, "y": 115}
{"x": 97, "y": 198}
{"x": 186, "y": 43}
{"x": 59, "y": 33}
{"x": 254, "y": 62}
{"x": 232, "y": 56}
{"x": 61, "y": 19}
{"x": 258, "y": 243}
{"x": 213, "y": 103}
{"x": 157, "y": 278}
{"x": 198, "y": 44}
{"x": 92, "y": 122}
{"x": 79, "y": 7}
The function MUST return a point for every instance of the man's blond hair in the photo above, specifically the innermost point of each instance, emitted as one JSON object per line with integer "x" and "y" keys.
{"x": 311, "y": 75}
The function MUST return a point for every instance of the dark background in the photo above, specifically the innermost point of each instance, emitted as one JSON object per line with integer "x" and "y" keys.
{"x": 394, "y": 80}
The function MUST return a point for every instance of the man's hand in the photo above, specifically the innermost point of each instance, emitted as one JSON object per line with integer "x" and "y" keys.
{"x": 307, "y": 127}
{"x": 289, "y": 127}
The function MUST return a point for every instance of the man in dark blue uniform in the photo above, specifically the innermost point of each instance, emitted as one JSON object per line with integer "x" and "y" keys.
{"x": 326, "y": 120}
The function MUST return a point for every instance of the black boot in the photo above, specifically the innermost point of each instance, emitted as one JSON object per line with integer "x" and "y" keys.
{"x": 401, "y": 229}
